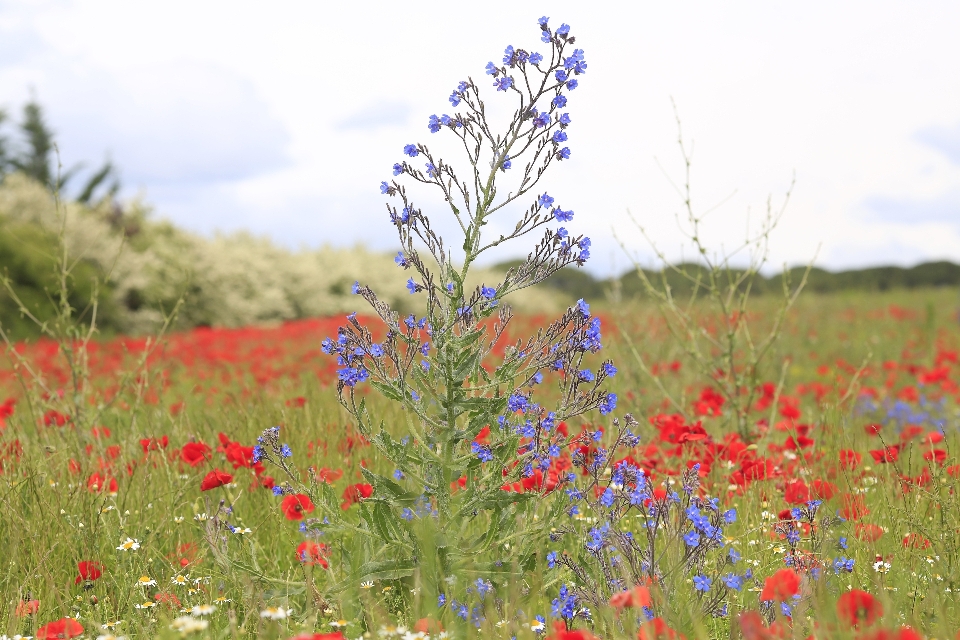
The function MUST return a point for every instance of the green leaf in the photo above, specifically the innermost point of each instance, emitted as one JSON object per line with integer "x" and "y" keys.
{"x": 388, "y": 391}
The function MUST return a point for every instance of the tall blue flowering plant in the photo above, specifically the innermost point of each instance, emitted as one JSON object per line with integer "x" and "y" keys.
{"x": 444, "y": 514}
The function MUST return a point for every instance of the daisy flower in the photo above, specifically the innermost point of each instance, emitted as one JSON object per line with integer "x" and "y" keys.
{"x": 129, "y": 545}
{"x": 146, "y": 581}
{"x": 178, "y": 581}
{"x": 109, "y": 626}
{"x": 186, "y": 624}
{"x": 276, "y": 613}
{"x": 366, "y": 585}
{"x": 145, "y": 605}
{"x": 203, "y": 610}
{"x": 337, "y": 624}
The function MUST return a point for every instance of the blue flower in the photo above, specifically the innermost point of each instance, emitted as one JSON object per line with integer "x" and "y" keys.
{"x": 560, "y": 75}
{"x": 412, "y": 286}
{"x": 701, "y": 583}
{"x": 504, "y": 83}
{"x": 509, "y": 55}
{"x": 584, "y": 308}
{"x": 482, "y": 452}
{"x": 551, "y": 560}
{"x": 543, "y": 22}
{"x": 560, "y": 102}
{"x": 414, "y": 395}
{"x": 545, "y": 200}
{"x": 400, "y": 259}
{"x": 441, "y": 600}
{"x": 376, "y": 351}
{"x": 609, "y": 404}
{"x": 277, "y": 490}
{"x": 540, "y": 120}
{"x": 397, "y": 169}
{"x": 517, "y": 402}
{"x": 573, "y": 84}
{"x": 433, "y": 124}
{"x": 691, "y": 538}
{"x": 488, "y": 292}
{"x": 586, "y": 375}
{"x": 733, "y": 581}
{"x": 407, "y": 515}
{"x": 506, "y": 163}
{"x": 384, "y": 187}
{"x": 425, "y": 364}
{"x": 607, "y": 498}
{"x": 563, "y": 216}
{"x": 730, "y": 516}
{"x": 285, "y": 451}
{"x": 734, "y": 555}
{"x": 609, "y": 370}
{"x": 559, "y": 136}
{"x": 563, "y": 30}
{"x": 564, "y": 119}
{"x": 563, "y": 154}
{"x": 398, "y": 474}
{"x": 492, "y": 69}
{"x": 431, "y": 170}
{"x": 562, "y": 233}
{"x": 535, "y": 58}
{"x": 356, "y": 288}
{"x": 410, "y": 150}
{"x": 545, "y": 36}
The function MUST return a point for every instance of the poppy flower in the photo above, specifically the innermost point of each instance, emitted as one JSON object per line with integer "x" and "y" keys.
{"x": 97, "y": 483}
{"x": 823, "y": 490}
{"x": 857, "y": 606}
{"x": 560, "y": 632}
{"x": 657, "y": 629}
{"x": 781, "y": 586}
{"x": 89, "y": 570}
{"x": 868, "y": 532}
{"x": 194, "y": 453}
{"x": 753, "y": 628}
{"x": 154, "y": 444}
{"x": 796, "y": 492}
{"x": 872, "y": 429}
{"x": 903, "y": 633}
{"x": 312, "y": 553}
{"x": 854, "y": 507}
{"x": 295, "y": 506}
{"x": 329, "y": 475}
{"x": 62, "y": 628}
{"x": 850, "y": 459}
{"x": 636, "y": 597}
{"x": 214, "y": 479}
{"x": 27, "y": 608}
{"x": 355, "y": 493}
{"x": 887, "y": 454}
{"x": 935, "y": 455}
{"x": 915, "y": 541}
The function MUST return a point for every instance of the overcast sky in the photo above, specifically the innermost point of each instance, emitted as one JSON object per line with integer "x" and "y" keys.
{"x": 283, "y": 117}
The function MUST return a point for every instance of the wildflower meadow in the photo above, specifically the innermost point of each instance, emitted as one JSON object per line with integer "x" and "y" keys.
{"x": 711, "y": 465}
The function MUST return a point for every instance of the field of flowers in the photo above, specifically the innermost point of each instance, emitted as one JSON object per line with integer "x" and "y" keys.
{"x": 135, "y": 504}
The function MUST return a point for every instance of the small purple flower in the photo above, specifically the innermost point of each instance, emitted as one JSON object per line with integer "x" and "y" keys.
{"x": 410, "y": 150}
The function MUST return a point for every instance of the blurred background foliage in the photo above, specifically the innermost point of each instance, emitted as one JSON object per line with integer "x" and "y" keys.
{"x": 139, "y": 266}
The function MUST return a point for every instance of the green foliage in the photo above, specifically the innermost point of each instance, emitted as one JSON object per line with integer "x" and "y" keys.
{"x": 28, "y": 255}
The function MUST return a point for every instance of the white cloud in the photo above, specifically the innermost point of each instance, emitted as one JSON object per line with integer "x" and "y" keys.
{"x": 286, "y": 118}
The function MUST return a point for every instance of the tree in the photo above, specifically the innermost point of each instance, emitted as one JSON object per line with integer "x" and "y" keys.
{"x": 35, "y": 160}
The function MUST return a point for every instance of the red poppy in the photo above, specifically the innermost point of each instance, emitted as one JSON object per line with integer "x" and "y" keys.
{"x": 89, "y": 570}
{"x": 295, "y": 506}
{"x": 97, "y": 483}
{"x": 329, "y": 475}
{"x": 903, "y": 633}
{"x": 935, "y": 455}
{"x": 27, "y": 608}
{"x": 62, "y": 628}
{"x": 312, "y": 553}
{"x": 873, "y": 429}
{"x": 887, "y": 454}
{"x": 636, "y": 597}
{"x": 868, "y": 532}
{"x": 850, "y": 459}
{"x": 915, "y": 541}
{"x": 154, "y": 444}
{"x": 854, "y": 507}
{"x": 194, "y": 453}
{"x": 857, "y": 606}
{"x": 560, "y": 632}
{"x": 214, "y": 479}
{"x": 355, "y": 493}
{"x": 657, "y": 629}
{"x": 796, "y": 492}
{"x": 823, "y": 490}
{"x": 753, "y": 628}
{"x": 782, "y": 586}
